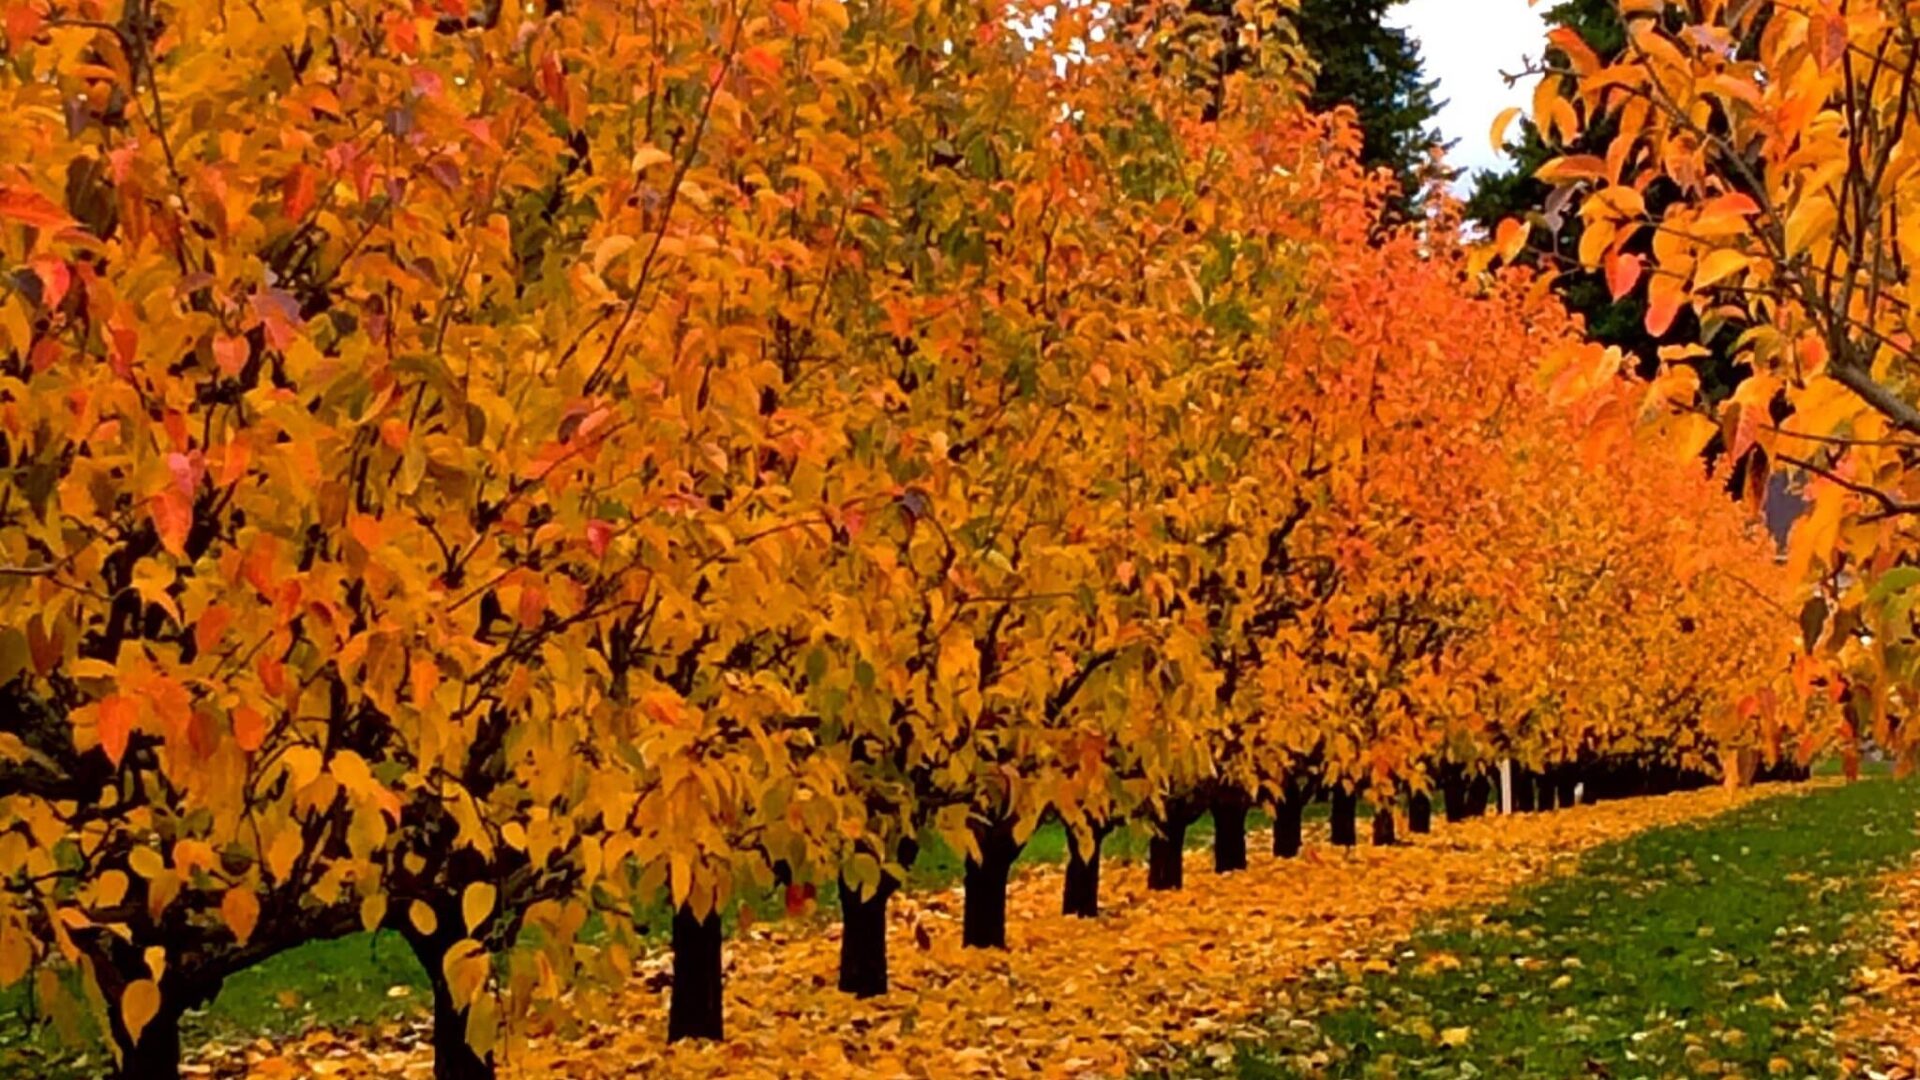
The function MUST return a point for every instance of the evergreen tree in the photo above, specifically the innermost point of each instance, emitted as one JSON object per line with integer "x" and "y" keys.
{"x": 1377, "y": 69}
{"x": 1363, "y": 62}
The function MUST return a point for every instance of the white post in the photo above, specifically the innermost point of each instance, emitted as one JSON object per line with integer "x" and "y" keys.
{"x": 1506, "y": 785}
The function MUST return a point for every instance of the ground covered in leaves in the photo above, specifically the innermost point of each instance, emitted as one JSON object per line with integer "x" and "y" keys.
{"x": 1726, "y": 948}
{"x": 1882, "y": 1034}
{"x": 1161, "y": 982}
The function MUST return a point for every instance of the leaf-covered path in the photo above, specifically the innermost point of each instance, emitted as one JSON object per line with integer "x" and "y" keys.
{"x": 1730, "y": 948}
{"x": 1160, "y": 980}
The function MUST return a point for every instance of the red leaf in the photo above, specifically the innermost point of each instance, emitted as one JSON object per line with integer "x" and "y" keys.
{"x": 187, "y": 469}
{"x": 55, "y": 279}
{"x": 126, "y": 344}
{"x": 117, "y": 715}
{"x": 598, "y": 533}
{"x": 230, "y": 354}
{"x": 296, "y": 193}
{"x": 762, "y": 61}
{"x": 1623, "y": 273}
{"x": 1828, "y": 36}
{"x": 22, "y": 23}
{"x": 29, "y": 207}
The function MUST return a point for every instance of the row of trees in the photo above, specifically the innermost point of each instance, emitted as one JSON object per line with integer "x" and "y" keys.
{"x": 478, "y": 470}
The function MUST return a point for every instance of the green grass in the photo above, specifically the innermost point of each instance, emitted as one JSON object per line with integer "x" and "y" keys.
{"x": 1725, "y": 946}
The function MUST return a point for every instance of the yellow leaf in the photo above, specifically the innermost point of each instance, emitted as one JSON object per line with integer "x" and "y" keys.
{"x": 351, "y": 770}
{"x": 1500, "y": 125}
{"x": 1719, "y": 266}
{"x": 1810, "y": 222}
{"x": 1455, "y": 1036}
{"x": 111, "y": 888}
{"x": 282, "y": 851}
{"x": 681, "y": 876}
{"x": 139, "y": 1005}
{"x": 373, "y": 911}
{"x": 423, "y": 918}
{"x": 476, "y": 904}
{"x": 146, "y": 862}
{"x": 465, "y": 967}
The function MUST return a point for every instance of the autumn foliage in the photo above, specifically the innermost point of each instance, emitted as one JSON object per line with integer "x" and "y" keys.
{"x": 1756, "y": 180}
{"x": 490, "y": 471}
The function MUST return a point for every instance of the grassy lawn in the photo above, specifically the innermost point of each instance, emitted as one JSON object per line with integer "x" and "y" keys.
{"x": 1723, "y": 948}
{"x": 367, "y": 979}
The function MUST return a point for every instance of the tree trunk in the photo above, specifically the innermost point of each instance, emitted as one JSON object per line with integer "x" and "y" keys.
{"x": 1522, "y": 790}
{"x": 1230, "y": 832}
{"x": 694, "y": 1011}
{"x": 863, "y": 938}
{"x": 1081, "y": 895}
{"x": 1166, "y": 854}
{"x": 1286, "y": 824}
{"x": 453, "y": 1056}
{"x": 157, "y": 1055}
{"x": 1346, "y": 810}
{"x": 1543, "y": 783}
{"x": 1454, "y": 798}
{"x": 1479, "y": 795}
{"x": 1383, "y": 827}
{"x": 1419, "y": 812}
{"x": 1564, "y": 782}
{"x": 984, "y": 918}
{"x": 1589, "y": 786}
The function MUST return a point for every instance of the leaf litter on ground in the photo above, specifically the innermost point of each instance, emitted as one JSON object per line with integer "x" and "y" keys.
{"x": 1158, "y": 979}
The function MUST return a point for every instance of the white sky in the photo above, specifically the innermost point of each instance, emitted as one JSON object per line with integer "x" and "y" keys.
{"x": 1466, "y": 45}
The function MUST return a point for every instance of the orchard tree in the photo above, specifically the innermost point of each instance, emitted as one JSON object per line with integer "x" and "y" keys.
{"x": 1778, "y": 133}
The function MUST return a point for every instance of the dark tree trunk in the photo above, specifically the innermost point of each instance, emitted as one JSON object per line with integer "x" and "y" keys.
{"x": 1419, "y": 813}
{"x": 1346, "y": 810}
{"x": 1230, "y": 832}
{"x": 1286, "y": 824}
{"x": 1166, "y": 854}
{"x": 1479, "y": 794}
{"x": 1589, "y": 786}
{"x": 863, "y": 938}
{"x": 1522, "y": 791}
{"x": 1564, "y": 783}
{"x": 984, "y": 918}
{"x": 1543, "y": 801}
{"x": 1081, "y": 895}
{"x": 694, "y": 1011}
{"x": 1454, "y": 799}
{"x": 453, "y": 1055}
{"x": 1383, "y": 827}
{"x": 157, "y": 1055}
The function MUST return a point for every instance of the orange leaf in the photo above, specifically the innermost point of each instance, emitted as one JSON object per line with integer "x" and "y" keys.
{"x": 241, "y": 911}
{"x": 1511, "y": 238}
{"x": 1663, "y": 304}
{"x": 172, "y": 518}
{"x": 1623, "y": 273}
{"x": 117, "y": 714}
{"x": 249, "y": 728}
{"x": 29, "y": 207}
